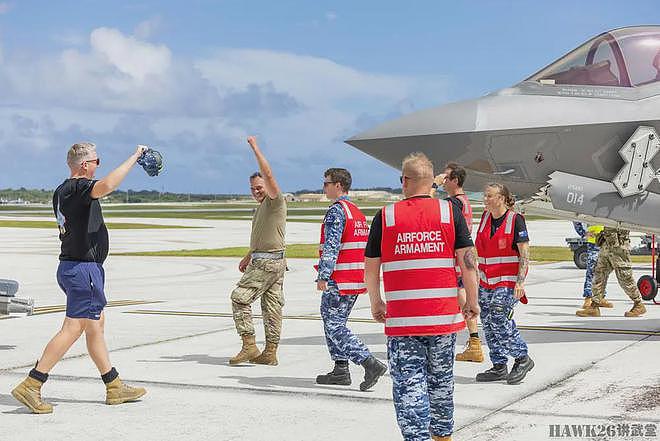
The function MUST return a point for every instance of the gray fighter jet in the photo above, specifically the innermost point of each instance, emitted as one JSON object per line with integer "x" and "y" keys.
{"x": 576, "y": 140}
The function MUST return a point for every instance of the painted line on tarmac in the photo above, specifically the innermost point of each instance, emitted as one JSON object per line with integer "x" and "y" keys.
{"x": 41, "y": 310}
{"x": 364, "y": 320}
{"x": 111, "y": 304}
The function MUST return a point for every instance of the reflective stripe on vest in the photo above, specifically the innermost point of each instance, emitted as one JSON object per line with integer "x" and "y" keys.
{"x": 432, "y": 293}
{"x": 348, "y": 272}
{"x": 349, "y": 246}
{"x": 498, "y": 261}
{"x": 429, "y": 320}
{"x": 417, "y": 255}
{"x": 401, "y": 265}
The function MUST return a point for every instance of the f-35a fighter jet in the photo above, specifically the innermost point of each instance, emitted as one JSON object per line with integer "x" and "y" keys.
{"x": 578, "y": 140}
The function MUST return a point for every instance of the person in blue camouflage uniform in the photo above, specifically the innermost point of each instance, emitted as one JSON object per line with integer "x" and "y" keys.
{"x": 592, "y": 258}
{"x": 497, "y": 304}
{"x": 502, "y": 335}
{"x": 421, "y": 367}
{"x": 426, "y": 362}
{"x": 342, "y": 344}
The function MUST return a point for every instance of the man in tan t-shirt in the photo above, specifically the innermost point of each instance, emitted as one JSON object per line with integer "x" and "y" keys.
{"x": 263, "y": 267}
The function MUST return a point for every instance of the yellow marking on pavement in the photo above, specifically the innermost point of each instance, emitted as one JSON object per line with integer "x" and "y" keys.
{"x": 365, "y": 320}
{"x": 111, "y": 304}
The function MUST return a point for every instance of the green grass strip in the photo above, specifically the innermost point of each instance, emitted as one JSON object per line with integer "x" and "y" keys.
{"x": 111, "y": 225}
{"x": 310, "y": 251}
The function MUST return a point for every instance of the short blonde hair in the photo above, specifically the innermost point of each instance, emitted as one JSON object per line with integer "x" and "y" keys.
{"x": 78, "y": 152}
{"x": 417, "y": 166}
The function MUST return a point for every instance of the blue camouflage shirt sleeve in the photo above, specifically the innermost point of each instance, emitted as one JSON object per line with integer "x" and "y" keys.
{"x": 334, "y": 221}
{"x": 580, "y": 229}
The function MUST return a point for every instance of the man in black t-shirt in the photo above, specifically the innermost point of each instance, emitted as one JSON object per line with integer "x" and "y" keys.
{"x": 81, "y": 276}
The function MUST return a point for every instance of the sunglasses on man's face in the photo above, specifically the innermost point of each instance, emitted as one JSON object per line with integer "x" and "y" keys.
{"x": 326, "y": 183}
{"x": 97, "y": 161}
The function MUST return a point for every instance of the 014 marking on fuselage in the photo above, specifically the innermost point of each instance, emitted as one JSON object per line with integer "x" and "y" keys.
{"x": 638, "y": 173}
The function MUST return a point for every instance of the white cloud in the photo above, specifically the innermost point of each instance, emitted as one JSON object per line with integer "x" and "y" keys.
{"x": 121, "y": 90}
{"x": 314, "y": 81}
{"x": 331, "y": 16}
{"x": 130, "y": 55}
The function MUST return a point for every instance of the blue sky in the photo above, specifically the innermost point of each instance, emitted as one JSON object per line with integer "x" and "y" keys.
{"x": 195, "y": 78}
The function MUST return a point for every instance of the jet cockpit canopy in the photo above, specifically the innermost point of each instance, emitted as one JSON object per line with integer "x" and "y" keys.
{"x": 625, "y": 57}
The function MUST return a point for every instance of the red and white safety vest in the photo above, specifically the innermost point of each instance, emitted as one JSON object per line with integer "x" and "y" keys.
{"x": 417, "y": 255}
{"x": 498, "y": 261}
{"x": 349, "y": 268}
{"x": 467, "y": 214}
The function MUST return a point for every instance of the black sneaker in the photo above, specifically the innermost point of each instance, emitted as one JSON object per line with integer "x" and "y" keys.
{"x": 520, "y": 369}
{"x": 496, "y": 373}
{"x": 340, "y": 375}
{"x": 373, "y": 370}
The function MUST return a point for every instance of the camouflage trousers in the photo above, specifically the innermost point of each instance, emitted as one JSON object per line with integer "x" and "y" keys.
{"x": 422, "y": 371}
{"x": 342, "y": 343}
{"x": 592, "y": 258}
{"x": 263, "y": 278}
{"x": 502, "y": 336}
{"x": 615, "y": 259}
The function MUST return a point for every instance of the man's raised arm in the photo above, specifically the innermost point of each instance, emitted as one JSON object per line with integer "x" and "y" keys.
{"x": 272, "y": 188}
{"x": 107, "y": 185}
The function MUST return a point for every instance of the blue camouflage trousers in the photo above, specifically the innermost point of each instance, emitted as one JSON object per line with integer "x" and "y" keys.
{"x": 592, "y": 259}
{"x": 342, "y": 343}
{"x": 422, "y": 371}
{"x": 502, "y": 336}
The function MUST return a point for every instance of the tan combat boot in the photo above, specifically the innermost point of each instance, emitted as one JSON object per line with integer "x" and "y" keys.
{"x": 441, "y": 438}
{"x": 604, "y": 303}
{"x": 637, "y": 310}
{"x": 268, "y": 356}
{"x": 472, "y": 352}
{"x": 248, "y": 352}
{"x": 591, "y": 311}
{"x": 29, "y": 393}
{"x": 118, "y": 392}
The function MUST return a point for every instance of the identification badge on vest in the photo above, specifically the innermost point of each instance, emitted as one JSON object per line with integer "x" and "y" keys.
{"x": 501, "y": 244}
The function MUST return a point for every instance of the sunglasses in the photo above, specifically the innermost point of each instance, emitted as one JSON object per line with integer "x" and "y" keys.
{"x": 326, "y": 183}
{"x": 97, "y": 161}
{"x": 401, "y": 178}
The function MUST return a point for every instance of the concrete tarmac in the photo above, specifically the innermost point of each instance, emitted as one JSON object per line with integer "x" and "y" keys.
{"x": 171, "y": 331}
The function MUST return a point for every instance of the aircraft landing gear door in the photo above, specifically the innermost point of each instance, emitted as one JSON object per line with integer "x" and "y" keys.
{"x": 539, "y": 154}
{"x": 638, "y": 152}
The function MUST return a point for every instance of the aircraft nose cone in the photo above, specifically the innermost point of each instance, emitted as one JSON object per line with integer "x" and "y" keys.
{"x": 442, "y": 133}
{"x": 451, "y": 118}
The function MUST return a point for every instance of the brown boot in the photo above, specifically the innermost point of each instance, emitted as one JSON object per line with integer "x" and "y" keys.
{"x": 587, "y": 303}
{"x": 117, "y": 392}
{"x": 441, "y": 438}
{"x": 248, "y": 352}
{"x": 472, "y": 352}
{"x": 637, "y": 310}
{"x": 268, "y": 356}
{"x": 604, "y": 303}
{"x": 29, "y": 393}
{"x": 591, "y": 311}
